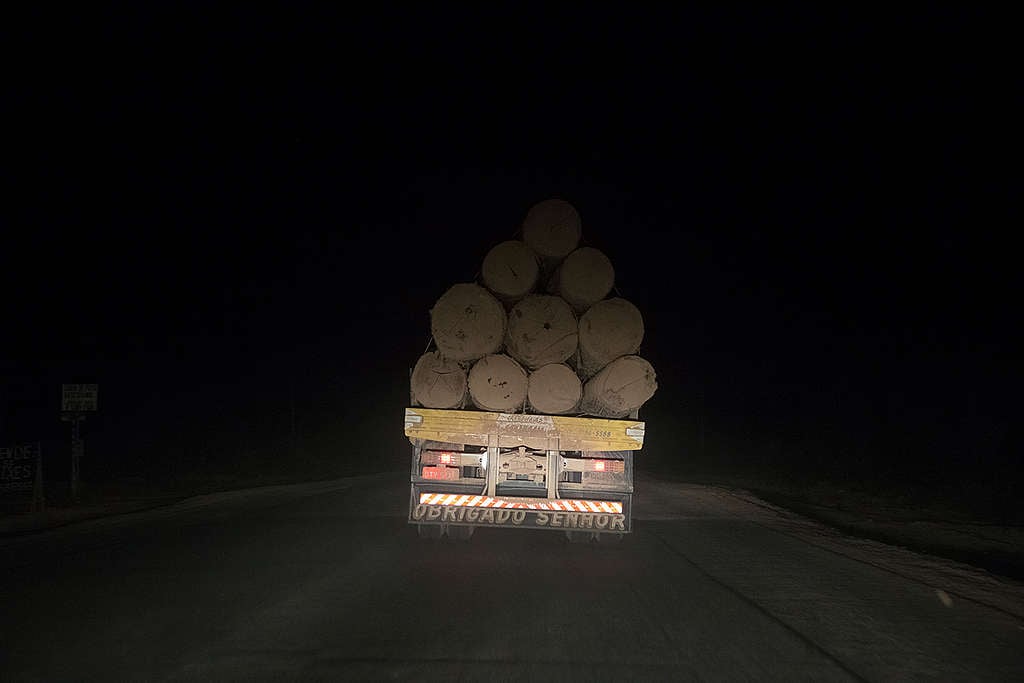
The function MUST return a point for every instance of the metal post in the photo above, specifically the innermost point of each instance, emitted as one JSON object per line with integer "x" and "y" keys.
{"x": 493, "y": 448}
{"x": 554, "y": 467}
{"x": 77, "y": 450}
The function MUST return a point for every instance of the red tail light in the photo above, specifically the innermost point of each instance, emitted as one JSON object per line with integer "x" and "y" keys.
{"x": 606, "y": 465}
{"x": 439, "y": 458}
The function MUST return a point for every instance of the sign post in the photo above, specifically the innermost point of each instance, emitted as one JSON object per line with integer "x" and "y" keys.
{"x": 76, "y": 400}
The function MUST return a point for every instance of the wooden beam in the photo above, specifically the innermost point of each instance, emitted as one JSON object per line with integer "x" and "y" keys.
{"x": 534, "y": 431}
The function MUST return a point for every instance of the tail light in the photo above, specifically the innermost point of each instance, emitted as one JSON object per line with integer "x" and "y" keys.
{"x": 439, "y": 458}
{"x": 605, "y": 466}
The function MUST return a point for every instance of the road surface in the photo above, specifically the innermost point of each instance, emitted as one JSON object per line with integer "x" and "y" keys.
{"x": 326, "y": 581}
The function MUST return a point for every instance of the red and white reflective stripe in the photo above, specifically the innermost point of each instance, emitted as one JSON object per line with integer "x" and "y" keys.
{"x": 453, "y": 499}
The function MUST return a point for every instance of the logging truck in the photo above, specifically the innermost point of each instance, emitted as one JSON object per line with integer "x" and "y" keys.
{"x": 550, "y": 472}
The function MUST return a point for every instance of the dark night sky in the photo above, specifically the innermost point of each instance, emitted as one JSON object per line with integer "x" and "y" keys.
{"x": 806, "y": 207}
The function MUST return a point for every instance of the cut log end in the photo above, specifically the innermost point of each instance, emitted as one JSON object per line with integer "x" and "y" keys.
{"x": 498, "y": 383}
{"x": 510, "y": 270}
{"x": 554, "y": 389}
{"x": 608, "y": 330}
{"x": 467, "y": 323}
{"x": 541, "y": 330}
{"x": 552, "y": 229}
{"x": 622, "y": 387}
{"x": 584, "y": 278}
{"x": 438, "y": 382}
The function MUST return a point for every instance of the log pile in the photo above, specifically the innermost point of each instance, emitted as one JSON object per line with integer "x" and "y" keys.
{"x": 538, "y": 333}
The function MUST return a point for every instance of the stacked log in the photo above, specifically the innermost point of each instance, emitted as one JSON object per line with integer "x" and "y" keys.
{"x": 498, "y": 383}
{"x": 554, "y": 389}
{"x": 570, "y": 351}
{"x": 620, "y": 388}
{"x": 608, "y": 330}
{"x": 438, "y": 382}
{"x": 552, "y": 229}
{"x": 584, "y": 278}
{"x": 541, "y": 330}
{"x": 467, "y": 323}
{"x": 510, "y": 270}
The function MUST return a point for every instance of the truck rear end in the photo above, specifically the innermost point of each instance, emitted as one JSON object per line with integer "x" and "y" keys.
{"x": 546, "y": 472}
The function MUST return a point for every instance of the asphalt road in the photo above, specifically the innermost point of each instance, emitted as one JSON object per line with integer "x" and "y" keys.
{"x": 327, "y": 582}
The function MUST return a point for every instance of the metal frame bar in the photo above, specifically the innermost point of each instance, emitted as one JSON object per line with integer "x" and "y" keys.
{"x": 554, "y": 472}
{"x": 491, "y": 471}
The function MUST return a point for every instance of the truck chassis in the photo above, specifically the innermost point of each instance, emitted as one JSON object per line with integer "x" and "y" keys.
{"x": 570, "y": 474}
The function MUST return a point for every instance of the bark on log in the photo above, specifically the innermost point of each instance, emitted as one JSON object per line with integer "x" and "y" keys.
{"x": 498, "y": 383}
{"x": 552, "y": 229}
{"x": 510, "y": 270}
{"x": 438, "y": 382}
{"x": 541, "y": 330}
{"x": 467, "y": 323}
{"x": 584, "y": 278}
{"x": 554, "y": 389}
{"x": 620, "y": 388}
{"x": 608, "y": 330}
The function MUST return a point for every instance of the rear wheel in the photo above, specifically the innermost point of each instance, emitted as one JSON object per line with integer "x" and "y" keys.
{"x": 429, "y": 531}
{"x": 460, "y": 533}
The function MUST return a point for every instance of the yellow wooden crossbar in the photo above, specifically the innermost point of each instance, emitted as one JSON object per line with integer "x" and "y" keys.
{"x": 542, "y": 432}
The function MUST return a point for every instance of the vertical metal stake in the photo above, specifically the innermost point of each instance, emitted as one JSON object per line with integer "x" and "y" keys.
{"x": 76, "y": 451}
{"x": 493, "y": 448}
{"x": 554, "y": 467}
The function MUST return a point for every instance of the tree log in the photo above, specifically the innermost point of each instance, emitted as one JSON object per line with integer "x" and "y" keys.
{"x": 438, "y": 382}
{"x": 621, "y": 387}
{"x": 554, "y": 389}
{"x": 584, "y": 278}
{"x": 467, "y": 323}
{"x": 510, "y": 270}
{"x": 541, "y": 330}
{"x": 552, "y": 229}
{"x": 608, "y": 330}
{"x": 498, "y": 383}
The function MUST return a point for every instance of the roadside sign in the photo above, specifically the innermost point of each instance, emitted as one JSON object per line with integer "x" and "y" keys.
{"x": 19, "y": 467}
{"x": 77, "y": 398}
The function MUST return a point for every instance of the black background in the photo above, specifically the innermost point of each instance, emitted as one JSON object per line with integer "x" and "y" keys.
{"x": 227, "y": 216}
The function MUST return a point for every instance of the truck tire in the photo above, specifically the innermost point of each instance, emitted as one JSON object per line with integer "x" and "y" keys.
{"x": 460, "y": 533}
